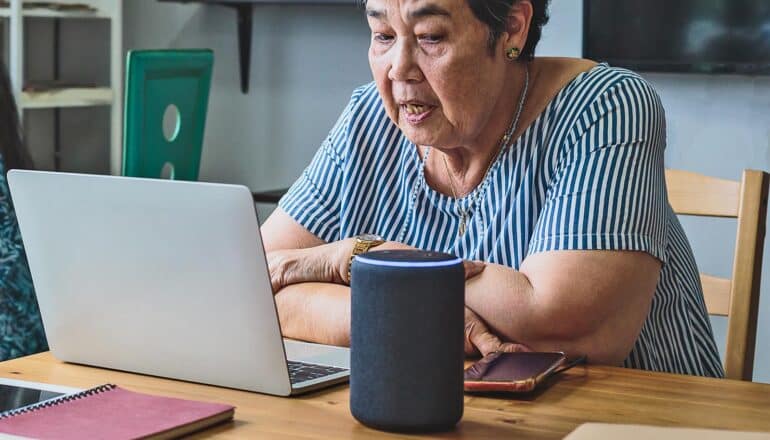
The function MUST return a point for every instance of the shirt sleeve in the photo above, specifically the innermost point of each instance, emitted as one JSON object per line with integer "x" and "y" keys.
{"x": 314, "y": 198}
{"x": 608, "y": 191}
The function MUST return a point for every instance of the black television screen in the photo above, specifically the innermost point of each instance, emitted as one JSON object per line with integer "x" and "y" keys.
{"x": 719, "y": 36}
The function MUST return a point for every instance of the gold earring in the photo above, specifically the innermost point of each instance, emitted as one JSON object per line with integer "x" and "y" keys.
{"x": 512, "y": 53}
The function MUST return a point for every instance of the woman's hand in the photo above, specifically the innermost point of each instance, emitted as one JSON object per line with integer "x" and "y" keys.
{"x": 328, "y": 263}
{"x": 473, "y": 268}
{"x": 479, "y": 339}
{"x": 315, "y": 264}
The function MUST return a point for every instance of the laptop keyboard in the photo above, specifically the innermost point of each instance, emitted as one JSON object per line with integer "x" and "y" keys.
{"x": 300, "y": 371}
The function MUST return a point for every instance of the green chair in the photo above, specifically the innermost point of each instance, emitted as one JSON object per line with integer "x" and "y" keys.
{"x": 167, "y": 94}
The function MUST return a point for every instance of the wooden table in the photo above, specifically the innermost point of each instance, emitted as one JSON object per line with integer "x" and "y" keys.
{"x": 598, "y": 394}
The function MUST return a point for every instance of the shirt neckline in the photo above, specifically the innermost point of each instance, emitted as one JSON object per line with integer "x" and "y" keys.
{"x": 448, "y": 203}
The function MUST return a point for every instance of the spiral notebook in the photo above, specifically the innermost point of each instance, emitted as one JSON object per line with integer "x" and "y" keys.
{"x": 109, "y": 411}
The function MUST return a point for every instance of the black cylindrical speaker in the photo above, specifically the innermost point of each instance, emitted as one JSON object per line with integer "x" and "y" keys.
{"x": 406, "y": 340}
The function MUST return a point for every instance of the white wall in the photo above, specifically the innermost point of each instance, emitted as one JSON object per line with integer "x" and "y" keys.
{"x": 306, "y": 60}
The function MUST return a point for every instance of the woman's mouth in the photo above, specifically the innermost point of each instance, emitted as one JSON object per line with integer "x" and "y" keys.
{"x": 416, "y": 113}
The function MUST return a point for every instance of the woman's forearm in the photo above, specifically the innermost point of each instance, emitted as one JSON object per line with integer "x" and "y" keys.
{"x": 504, "y": 299}
{"x": 517, "y": 312}
{"x": 580, "y": 302}
{"x": 315, "y": 312}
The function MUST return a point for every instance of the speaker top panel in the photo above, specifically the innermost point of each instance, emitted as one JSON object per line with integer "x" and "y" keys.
{"x": 408, "y": 258}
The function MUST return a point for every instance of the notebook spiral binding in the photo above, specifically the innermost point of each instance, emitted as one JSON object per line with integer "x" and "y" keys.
{"x": 58, "y": 401}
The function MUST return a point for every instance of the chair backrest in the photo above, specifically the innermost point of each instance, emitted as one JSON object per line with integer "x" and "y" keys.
{"x": 167, "y": 94}
{"x": 737, "y": 298}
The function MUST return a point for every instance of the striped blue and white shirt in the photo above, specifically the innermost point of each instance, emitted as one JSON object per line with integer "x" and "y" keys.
{"x": 587, "y": 174}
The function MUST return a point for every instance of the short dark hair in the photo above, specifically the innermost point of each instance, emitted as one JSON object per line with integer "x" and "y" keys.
{"x": 493, "y": 13}
{"x": 11, "y": 147}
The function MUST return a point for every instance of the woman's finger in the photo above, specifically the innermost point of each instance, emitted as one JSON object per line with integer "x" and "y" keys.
{"x": 487, "y": 343}
{"x": 275, "y": 284}
{"x": 512, "y": 347}
{"x": 278, "y": 268}
{"x": 477, "y": 335}
{"x": 473, "y": 268}
{"x": 478, "y": 338}
{"x": 470, "y": 347}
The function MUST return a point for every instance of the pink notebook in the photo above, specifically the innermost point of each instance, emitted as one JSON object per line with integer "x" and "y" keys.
{"x": 110, "y": 412}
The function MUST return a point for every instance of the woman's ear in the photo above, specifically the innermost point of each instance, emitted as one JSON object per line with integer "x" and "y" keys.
{"x": 517, "y": 25}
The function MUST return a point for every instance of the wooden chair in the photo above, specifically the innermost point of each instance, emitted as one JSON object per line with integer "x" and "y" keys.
{"x": 167, "y": 98}
{"x": 737, "y": 298}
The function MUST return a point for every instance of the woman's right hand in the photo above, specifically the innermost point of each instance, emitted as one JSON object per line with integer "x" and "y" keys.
{"x": 327, "y": 263}
{"x": 294, "y": 266}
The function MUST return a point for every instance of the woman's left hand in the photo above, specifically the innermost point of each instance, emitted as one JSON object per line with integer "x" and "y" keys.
{"x": 479, "y": 339}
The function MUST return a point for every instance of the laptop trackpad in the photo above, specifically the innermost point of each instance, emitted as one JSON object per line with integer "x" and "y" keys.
{"x": 317, "y": 353}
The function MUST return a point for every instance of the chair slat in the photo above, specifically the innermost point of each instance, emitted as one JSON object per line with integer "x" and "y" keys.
{"x": 716, "y": 292}
{"x": 747, "y": 271}
{"x": 738, "y": 298}
{"x": 695, "y": 194}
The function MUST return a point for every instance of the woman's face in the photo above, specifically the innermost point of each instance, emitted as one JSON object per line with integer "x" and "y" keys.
{"x": 433, "y": 68}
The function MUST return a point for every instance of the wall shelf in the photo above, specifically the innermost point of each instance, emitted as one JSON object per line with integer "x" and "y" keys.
{"x": 15, "y": 13}
{"x": 67, "y": 97}
{"x": 245, "y": 14}
{"x": 49, "y": 13}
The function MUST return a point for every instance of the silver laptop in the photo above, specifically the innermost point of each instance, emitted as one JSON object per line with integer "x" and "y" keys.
{"x": 161, "y": 277}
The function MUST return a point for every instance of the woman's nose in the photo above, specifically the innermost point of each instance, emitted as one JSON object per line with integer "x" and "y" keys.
{"x": 403, "y": 66}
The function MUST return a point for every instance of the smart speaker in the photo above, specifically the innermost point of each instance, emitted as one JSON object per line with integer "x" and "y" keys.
{"x": 406, "y": 340}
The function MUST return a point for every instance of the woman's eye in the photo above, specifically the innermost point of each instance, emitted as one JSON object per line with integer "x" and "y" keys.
{"x": 431, "y": 38}
{"x": 383, "y": 38}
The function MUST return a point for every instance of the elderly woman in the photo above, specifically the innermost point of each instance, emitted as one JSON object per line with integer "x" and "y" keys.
{"x": 546, "y": 175}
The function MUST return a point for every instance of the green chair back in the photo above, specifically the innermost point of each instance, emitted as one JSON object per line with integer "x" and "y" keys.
{"x": 167, "y": 94}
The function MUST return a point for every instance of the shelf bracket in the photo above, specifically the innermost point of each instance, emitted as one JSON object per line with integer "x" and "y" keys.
{"x": 245, "y": 15}
{"x": 245, "y": 12}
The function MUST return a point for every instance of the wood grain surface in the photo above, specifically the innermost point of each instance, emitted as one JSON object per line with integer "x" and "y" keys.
{"x": 583, "y": 394}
